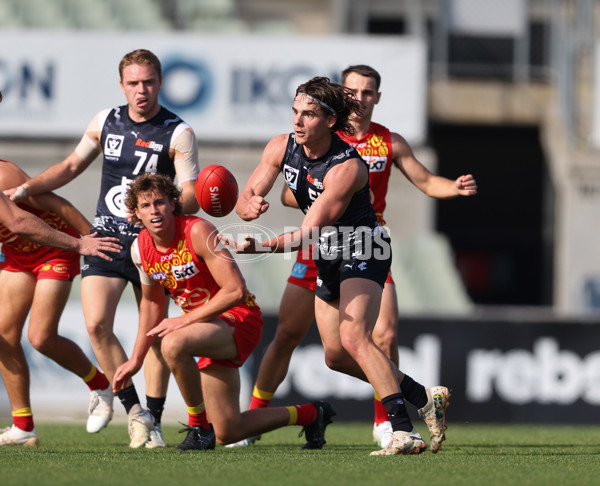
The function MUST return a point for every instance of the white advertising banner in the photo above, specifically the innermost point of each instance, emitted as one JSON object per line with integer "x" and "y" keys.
{"x": 233, "y": 88}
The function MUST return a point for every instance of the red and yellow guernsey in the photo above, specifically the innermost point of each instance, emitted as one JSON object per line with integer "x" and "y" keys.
{"x": 187, "y": 278}
{"x": 24, "y": 251}
{"x": 376, "y": 149}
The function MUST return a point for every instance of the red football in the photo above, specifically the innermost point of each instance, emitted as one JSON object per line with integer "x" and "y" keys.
{"x": 216, "y": 190}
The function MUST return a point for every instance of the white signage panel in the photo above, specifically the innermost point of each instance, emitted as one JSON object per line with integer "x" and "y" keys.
{"x": 228, "y": 88}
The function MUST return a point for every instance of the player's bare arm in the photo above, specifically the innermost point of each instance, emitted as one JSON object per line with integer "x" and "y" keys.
{"x": 430, "y": 184}
{"x": 28, "y": 226}
{"x": 11, "y": 175}
{"x": 63, "y": 172}
{"x": 251, "y": 203}
{"x": 339, "y": 185}
{"x": 184, "y": 152}
{"x": 63, "y": 208}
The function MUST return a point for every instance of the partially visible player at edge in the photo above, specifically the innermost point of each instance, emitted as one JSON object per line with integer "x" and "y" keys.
{"x": 32, "y": 228}
{"x": 136, "y": 138}
{"x": 221, "y": 323}
{"x": 36, "y": 280}
{"x": 381, "y": 149}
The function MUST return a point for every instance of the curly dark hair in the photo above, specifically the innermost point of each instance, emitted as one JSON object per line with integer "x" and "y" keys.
{"x": 340, "y": 99}
{"x": 152, "y": 183}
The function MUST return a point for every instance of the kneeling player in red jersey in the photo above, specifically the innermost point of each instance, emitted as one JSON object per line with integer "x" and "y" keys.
{"x": 221, "y": 323}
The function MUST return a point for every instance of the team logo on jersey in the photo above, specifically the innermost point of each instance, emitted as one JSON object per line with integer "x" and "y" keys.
{"x": 291, "y": 176}
{"x": 182, "y": 272}
{"x": 113, "y": 145}
{"x": 376, "y": 164}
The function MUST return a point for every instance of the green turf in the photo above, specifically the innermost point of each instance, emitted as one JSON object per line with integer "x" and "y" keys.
{"x": 472, "y": 455}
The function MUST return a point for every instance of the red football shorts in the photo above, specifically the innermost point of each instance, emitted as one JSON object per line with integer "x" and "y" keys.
{"x": 248, "y": 324}
{"x": 55, "y": 264}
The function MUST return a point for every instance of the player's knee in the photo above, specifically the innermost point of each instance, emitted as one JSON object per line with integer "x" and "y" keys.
{"x": 285, "y": 339}
{"x": 226, "y": 434}
{"x": 226, "y": 439}
{"x": 40, "y": 342}
{"x": 96, "y": 329}
{"x": 171, "y": 348}
{"x": 336, "y": 360}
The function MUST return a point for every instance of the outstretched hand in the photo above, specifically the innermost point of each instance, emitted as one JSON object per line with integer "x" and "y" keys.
{"x": 89, "y": 245}
{"x": 466, "y": 185}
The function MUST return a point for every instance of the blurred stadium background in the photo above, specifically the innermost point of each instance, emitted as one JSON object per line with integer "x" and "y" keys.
{"x": 499, "y": 294}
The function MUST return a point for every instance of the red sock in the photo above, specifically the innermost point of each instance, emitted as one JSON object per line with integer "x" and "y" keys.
{"x": 305, "y": 414}
{"x": 260, "y": 399}
{"x": 23, "y": 419}
{"x": 96, "y": 380}
{"x": 381, "y": 414}
{"x": 256, "y": 402}
{"x": 197, "y": 417}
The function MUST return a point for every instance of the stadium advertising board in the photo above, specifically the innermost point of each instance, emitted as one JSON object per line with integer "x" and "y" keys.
{"x": 498, "y": 371}
{"x": 234, "y": 88}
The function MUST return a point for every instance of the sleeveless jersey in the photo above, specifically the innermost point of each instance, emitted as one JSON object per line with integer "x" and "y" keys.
{"x": 305, "y": 177}
{"x": 15, "y": 247}
{"x": 180, "y": 271}
{"x": 129, "y": 149}
{"x": 376, "y": 149}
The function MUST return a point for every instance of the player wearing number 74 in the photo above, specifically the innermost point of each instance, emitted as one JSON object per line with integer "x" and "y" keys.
{"x": 136, "y": 138}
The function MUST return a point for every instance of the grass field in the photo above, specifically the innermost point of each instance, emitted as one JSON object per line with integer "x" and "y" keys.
{"x": 472, "y": 455}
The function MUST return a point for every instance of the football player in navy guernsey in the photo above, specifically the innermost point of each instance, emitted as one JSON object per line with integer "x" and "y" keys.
{"x": 138, "y": 137}
{"x": 330, "y": 182}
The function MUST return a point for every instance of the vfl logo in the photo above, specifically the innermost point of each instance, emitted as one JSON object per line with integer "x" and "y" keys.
{"x": 113, "y": 145}
{"x": 291, "y": 177}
